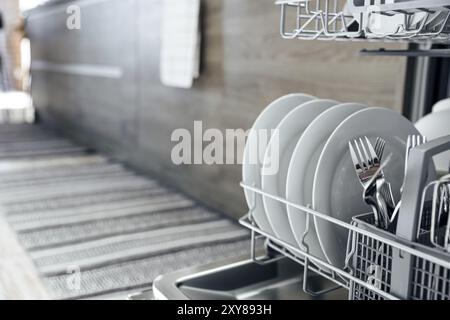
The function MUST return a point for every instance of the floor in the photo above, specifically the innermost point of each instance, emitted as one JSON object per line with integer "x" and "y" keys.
{"x": 77, "y": 225}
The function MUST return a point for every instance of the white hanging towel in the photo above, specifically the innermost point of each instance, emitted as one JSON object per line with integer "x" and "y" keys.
{"x": 180, "y": 47}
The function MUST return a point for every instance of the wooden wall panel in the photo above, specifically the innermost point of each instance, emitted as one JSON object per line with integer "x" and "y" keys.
{"x": 103, "y": 106}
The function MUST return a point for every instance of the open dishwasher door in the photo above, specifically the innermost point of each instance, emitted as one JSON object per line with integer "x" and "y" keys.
{"x": 241, "y": 280}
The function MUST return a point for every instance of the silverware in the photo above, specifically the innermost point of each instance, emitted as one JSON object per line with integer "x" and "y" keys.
{"x": 412, "y": 219}
{"x": 385, "y": 189}
{"x": 412, "y": 142}
{"x": 440, "y": 227}
{"x": 380, "y": 144}
{"x": 386, "y": 196}
{"x": 367, "y": 167}
{"x": 447, "y": 208}
{"x": 377, "y": 191}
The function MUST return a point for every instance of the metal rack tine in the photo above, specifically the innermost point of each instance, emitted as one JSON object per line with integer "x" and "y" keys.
{"x": 253, "y": 237}
{"x": 312, "y": 292}
{"x": 264, "y": 260}
{"x": 368, "y": 261}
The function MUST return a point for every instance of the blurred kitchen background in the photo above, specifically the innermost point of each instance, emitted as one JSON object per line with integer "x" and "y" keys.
{"x": 244, "y": 65}
{"x": 101, "y": 86}
{"x": 15, "y": 103}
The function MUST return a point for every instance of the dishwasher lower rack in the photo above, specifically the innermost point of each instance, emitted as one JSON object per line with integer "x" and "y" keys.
{"x": 369, "y": 255}
{"x": 421, "y": 20}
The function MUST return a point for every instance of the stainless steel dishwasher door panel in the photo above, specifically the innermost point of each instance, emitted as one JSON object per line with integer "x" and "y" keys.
{"x": 243, "y": 280}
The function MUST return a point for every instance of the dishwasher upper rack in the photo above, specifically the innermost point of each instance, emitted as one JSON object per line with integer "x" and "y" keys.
{"x": 423, "y": 20}
{"x": 364, "y": 241}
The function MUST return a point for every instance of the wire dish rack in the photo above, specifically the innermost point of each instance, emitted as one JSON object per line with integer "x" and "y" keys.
{"x": 379, "y": 264}
{"x": 367, "y": 271}
{"x": 386, "y": 20}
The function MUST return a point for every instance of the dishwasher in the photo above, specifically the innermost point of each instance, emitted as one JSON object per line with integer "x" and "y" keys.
{"x": 410, "y": 261}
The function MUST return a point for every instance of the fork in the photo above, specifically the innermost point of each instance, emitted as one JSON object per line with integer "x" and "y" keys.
{"x": 377, "y": 193}
{"x": 367, "y": 167}
{"x": 412, "y": 142}
{"x": 385, "y": 189}
{"x": 380, "y": 144}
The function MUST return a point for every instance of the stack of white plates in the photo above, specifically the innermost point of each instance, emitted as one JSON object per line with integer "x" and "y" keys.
{"x": 314, "y": 168}
{"x": 437, "y": 125}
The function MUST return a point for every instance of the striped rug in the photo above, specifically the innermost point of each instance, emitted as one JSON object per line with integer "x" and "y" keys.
{"x": 72, "y": 209}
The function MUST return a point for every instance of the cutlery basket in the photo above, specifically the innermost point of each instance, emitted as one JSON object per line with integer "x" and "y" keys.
{"x": 423, "y": 271}
{"x": 422, "y": 20}
{"x": 372, "y": 262}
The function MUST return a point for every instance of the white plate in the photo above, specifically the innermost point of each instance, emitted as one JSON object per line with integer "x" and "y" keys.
{"x": 442, "y": 105}
{"x": 303, "y": 166}
{"x": 282, "y": 144}
{"x": 336, "y": 189}
{"x": 267, "y": 120}
{"x": 434, "y": 126}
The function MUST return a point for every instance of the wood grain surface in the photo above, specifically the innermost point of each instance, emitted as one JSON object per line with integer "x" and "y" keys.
{"x": 245, "y": 66}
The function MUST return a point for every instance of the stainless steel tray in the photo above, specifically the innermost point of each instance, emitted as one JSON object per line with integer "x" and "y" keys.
{"x": 243, "y": 279}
